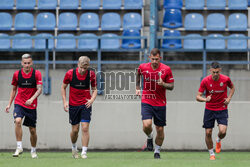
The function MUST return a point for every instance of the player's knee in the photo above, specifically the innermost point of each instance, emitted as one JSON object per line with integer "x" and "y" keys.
{"x": 18, "y": 122}
{"x": 85, "y": 129}
{"x": 33, "y": 131}
{"x": 209, "y": 134}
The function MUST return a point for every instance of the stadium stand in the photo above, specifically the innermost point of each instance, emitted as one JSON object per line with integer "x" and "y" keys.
{"x": 172, "y": 18}
{"x": 25, "y": 4}
{"x": 173, "y": 4}
{"x": 171, "y": 43}
{"x": 7, "y": 4}
{"x": 237, "y": 4}
{"x": 216, "y": 22}
{"x": 133, "y": 4}
{"x": 67, "y": 21}
{"x": 237, "y": 22}
{"x": 215, "y": 43}
{"x": 90, "y": 4}
{"x": 88, "y": 43}
{"x": 110, "y": 43}
{"x": 193, "y": 43}
{"x": 194, "y": 21}
{"x": 216, "y": 4}
{"x": 21, "y": 42}
{"x": 41, "y": 43}
{"x": 4, "y": 43}
{"x": 47, "y": 4}
{"x": 45, "y": 21}
{"x": 24, "y": 21}
{"x": 89, "y": 21}
{"x": 111, "y": 21}
{"x": 131, "y": 43}
{"x": 194, "y": 4}
{"x": 237, "y": 43}
{"x": 69, "y": 4}
{"x": 5, "y": 21}
{"x": 132, "y": 21}
{"x": 63, "y": 43}
{"x": 111, "y": 4}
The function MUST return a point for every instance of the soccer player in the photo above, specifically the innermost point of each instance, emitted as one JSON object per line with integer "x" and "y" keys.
{"x": 80, "y": 102}
{"x": 27, "y": 83}
{"x": 215, "y": 86}
{"x": 157, "y": 77}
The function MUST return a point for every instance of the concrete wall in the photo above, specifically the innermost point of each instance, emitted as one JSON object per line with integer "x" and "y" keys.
{"x": 116, "y": 124}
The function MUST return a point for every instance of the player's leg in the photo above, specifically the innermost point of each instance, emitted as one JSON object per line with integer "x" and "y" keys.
{"x": 73, "y": 136}
{"x": 158, "y": 141}
{"x": 85, "y": 138}
{"x": 208, "y": 124}
{"x": 147, "y": 115}
{"x": 18, "y": 117}
{"x": 222, "y": 119}
{"x": 33, "y": 141}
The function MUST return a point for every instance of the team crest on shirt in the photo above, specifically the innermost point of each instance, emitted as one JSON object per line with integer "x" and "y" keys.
{"x": 221, "y": 84}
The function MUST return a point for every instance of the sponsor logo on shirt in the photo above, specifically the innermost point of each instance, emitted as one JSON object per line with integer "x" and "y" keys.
{"x": 26, "y": 83}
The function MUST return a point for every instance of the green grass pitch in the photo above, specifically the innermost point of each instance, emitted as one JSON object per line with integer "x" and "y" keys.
{"x": 127, "y": 159}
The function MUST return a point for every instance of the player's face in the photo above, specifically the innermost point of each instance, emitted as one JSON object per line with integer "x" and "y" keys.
{"x": 27, "y": 63}
{"x": 83, "y": 67}
{"x": 155, "y": 60}
{"x": 215, "y": 73}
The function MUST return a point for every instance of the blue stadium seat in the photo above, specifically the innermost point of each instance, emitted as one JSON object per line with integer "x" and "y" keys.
{"x": 91, "y": 4}
{"x": 216, "y": 4}
{"x": 237, "y": 22}
{"x": 131, "y": 43}
{"x": 237, "y": 4}
{"x": 5, "y": 21}
{"x": 69, "y": 4}
{"x": 193, "y": 43}
{"x": 194, "y": 21}
{"x": 89, "y": 21}
{"x": 133, "y": 4}
{"x": 66, "y": 43}
{"x": 47, "y": 4}
{"x": 216, "y": 22}
{"x": 132, "y": 20}
{"x": 25, "y": 4}
{"x": 4, "y": 43}
{"x": 24, "y": 21}
{"x": 215, "y": 43}
{"x": 237, "y": 43}
{"x": 171, "y": 43}
{"x": 172, "y": 18}
{"x": 111, "y": 21}
{"x": 248, "y": 2}
{"x": 6, "y": 4}
{"x": 110, "y": 43}
{"x": 22, "y": 43}
{"x": 45, "y": 21}
{"x": 88, "y": 43}
{"x": 111, "y": 4}
{"x": 172, "y": 4}
{"x": 41, "y": 43}
{"x": 195, "y": 4}
{"x": 67, "y": 21}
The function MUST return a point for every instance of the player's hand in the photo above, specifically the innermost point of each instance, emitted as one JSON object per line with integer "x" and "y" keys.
{"x": 66, "y": 107}
{"x": 208, "y": 98}
{"x": 227, "y": 101}
{"x": 28, "y": 102}
{"x": 7, "y": 109}
{"x": 138, "y": 92}
{"x": 160, "y": 83}
{"x": 89, "y": 103}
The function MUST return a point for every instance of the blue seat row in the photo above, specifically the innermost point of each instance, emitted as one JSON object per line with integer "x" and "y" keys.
{"x": 68, "y": 21}
{"x": 192, "y": 43}
{"x": 88, "y": 43}
{"x": 195, "y": 21}
{"x": 211, "y": 4}
{"x": 71, "y": 4}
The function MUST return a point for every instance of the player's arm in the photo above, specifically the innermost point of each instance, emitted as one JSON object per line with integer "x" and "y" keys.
{"x": 202, "y": 99}
{"x": 63, "y": 93}
{"x": 231, "y": 93}
{"x": 12, "y": 96}
{"x": 93, "y": 97}
{"x": 168, "y": 86}
{"x": 138, "y": 83}
{"x": 38, "y": 92}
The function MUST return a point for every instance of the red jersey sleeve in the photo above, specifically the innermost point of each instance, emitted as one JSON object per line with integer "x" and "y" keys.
{"x": 169, "y": 77}
{"x": 229, "y": 83}
{"x": 93, "y": 79}
{"x": 15, "y": 79}
{"x": 38, "y": 76}
{"x": 202, "y": 86}
{"x": 68, "y": 77}
{"x": 139, "y": 70}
